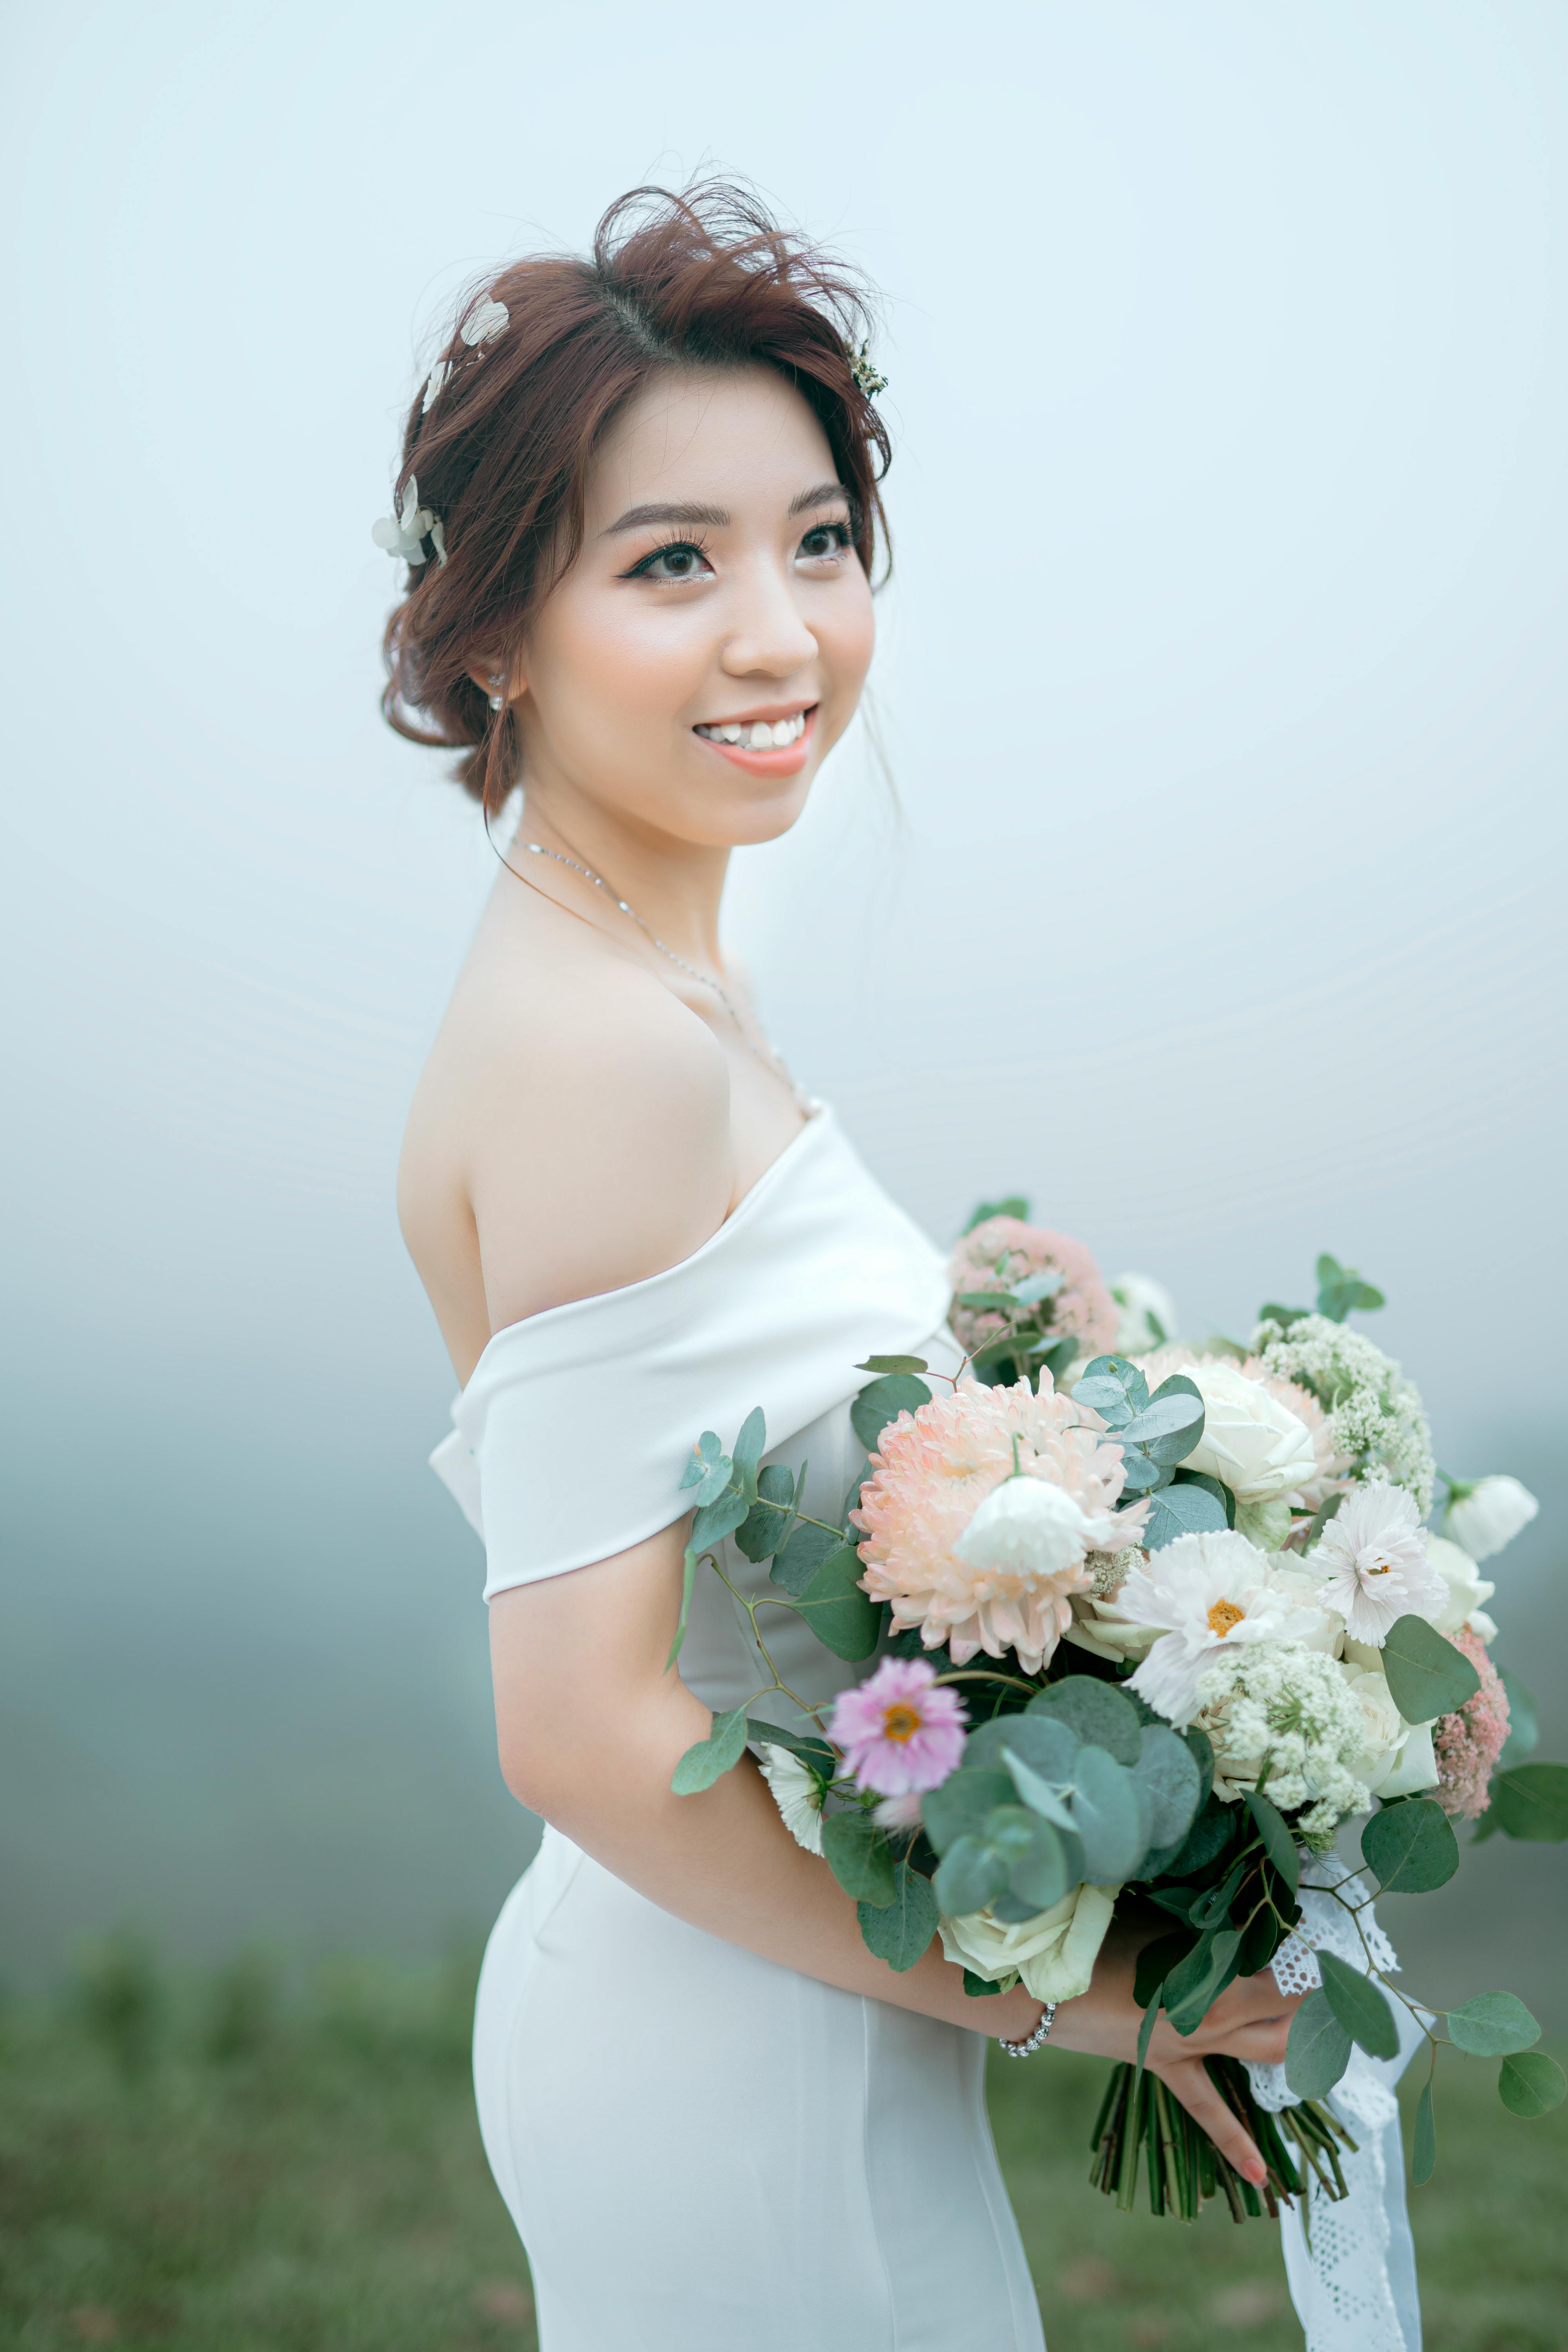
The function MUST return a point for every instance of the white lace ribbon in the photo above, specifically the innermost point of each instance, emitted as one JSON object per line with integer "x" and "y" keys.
{"x": 1351, "y": 2265}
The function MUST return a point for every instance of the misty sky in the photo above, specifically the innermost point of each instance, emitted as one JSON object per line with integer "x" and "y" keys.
{"x": 1223, "y": 683}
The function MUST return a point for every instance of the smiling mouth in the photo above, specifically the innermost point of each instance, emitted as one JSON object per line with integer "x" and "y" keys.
{"x": 758, "y": 734}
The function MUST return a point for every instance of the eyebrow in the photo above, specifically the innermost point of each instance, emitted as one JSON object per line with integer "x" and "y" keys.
{"x": 717, "y": 518}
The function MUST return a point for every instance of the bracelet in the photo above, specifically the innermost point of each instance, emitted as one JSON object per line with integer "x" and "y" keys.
{"x": 1036, "y": 2040}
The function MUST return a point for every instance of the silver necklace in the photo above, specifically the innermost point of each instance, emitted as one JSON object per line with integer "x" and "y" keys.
{"x": 766, "y": 1053}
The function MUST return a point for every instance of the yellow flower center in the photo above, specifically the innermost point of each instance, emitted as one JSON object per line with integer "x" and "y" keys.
{"x": 899, "y": 1723}
{"x": 1223, "y": 1616}
{"x": 1375, "y": 1567}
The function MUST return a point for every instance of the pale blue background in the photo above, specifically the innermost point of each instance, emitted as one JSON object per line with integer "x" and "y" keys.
{"x": 1222, "y": 675}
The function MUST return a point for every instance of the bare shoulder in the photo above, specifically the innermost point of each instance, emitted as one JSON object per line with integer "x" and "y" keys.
{"x": 570, "y": 1134}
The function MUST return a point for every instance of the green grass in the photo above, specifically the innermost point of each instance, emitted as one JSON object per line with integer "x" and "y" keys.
{"x": 200, "y": 2170}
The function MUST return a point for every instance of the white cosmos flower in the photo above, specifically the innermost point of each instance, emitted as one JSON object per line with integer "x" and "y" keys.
{"x": 404, "y": 534}
{"x": 1467, "y": 1588}
{"x": 1372, "y": 1557}
{"x": 1487, "y": 1514}
{"x": 1030, "y": 1527}
{"x": 1203, "y": 1593}
{"x": 1148, "y": 1314}
{"x": 797, "y": 1794}
{"x": 1259, "y": 1448}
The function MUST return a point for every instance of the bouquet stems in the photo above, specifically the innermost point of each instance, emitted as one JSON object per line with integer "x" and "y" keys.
{"x": 1139, "y": 2117}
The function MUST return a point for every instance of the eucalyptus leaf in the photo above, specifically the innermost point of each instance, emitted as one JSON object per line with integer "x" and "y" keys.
{"x": 1037, "y": 1794}
{"x": 1428, "y": 1676}
{"x": 1531, "y": 1801}
{"x": 843, "y": 1619}
{"x": 803, "y": 1555}
{"x": 1412, "y": 1846}
{"x": 1000, "y": 1301}
{"x": 978, "y": 1987}
{"x": 1320, "y": 1517}
{"x": 881, "y": 1400}
{"x": 714, "y": 1482}
{"x": 713, "y": 1756}
{"x": 1107, "y": 1816}
{"x": 1493, "y": 2025}
{"x": 688, "y": 1581}
{"x": 899, "y": 1932}
{"x": 1010, "y": 1829}
{"x": 859, "y": 1857}
{"x": 1531, "y": 2083}
{"x": 1423, "y": 2152}
{"x": 765, "y": 1527}
{"x": 1170, "y": 1425}
{"x": 809, "y": 1746}
{"x": 1192, "y": 1988}
{"x": 751, "y": 1443}
{"x": 1524, "y": 1725}
{"x": 1342, "y": 1291}
{"x": 704, "y": 1456}
{"x": 1169, "y": 1770}
{"x": 1055, "y": 1356}
{"x": 1277, "y": 1842}
{"x": 1096, "y": 1711}
{"x": 1155, "y": 1962}
{"x": 1318, "y": 2049}
{"x": 714, "y": 1521}
{"x": 1183, "y": 1508}
{"x": 1015, "y": 1205}
{"x": 1361, "y": 2007}
{"x": 1140, "y": 1473}
{"x": 1043, "y": 1874}
{"x": 960, "y": 1806}
{"x": 1214, "y": 1486}
{"x": 892, "y": 1364}
{"x": 1273, "y": 1312}
{"x": 971, "y": 1875}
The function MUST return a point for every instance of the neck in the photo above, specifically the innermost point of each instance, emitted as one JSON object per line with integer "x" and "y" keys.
{"x": 675, "y": 885}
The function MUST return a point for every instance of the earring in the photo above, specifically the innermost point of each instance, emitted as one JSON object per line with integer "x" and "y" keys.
{"x": 495, "y": 679}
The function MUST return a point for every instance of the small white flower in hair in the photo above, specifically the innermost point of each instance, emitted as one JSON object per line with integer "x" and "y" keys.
{"x": 484, "y": 323}
{"x": 404, "y": 534}
{"x": 435, "y": 384}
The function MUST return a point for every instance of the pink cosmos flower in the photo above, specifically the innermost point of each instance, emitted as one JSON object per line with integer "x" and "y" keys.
{"x": 1003, "y": 1250}
{"x": 1372, "y": 1557}
{"x": 931, "y": 1472}
{"x": 899, "y": 1731}
{"x": 1468, "y": 1745}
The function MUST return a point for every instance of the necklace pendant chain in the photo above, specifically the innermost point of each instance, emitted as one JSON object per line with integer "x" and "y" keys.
{"x": 768, "y": 1054}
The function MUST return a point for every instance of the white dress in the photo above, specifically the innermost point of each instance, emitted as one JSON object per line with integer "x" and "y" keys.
{"x": 699, "y": 2147}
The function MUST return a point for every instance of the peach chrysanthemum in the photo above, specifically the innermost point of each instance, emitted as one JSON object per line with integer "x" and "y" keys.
{"x": 1002, "y": 1251}
{"x": 931, "y": 1473}
{"x": 1468, "y": 1745}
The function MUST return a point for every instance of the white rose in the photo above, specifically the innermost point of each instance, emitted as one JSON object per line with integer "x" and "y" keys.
{"x": 1467, "y": 1589}
{"x": 1414, "y": 1767}
{"x": 1054, "y": 1952}
{"x": 1148, "y": 1314}
{"x": 1384, "y": 1729}
{"x": 1255, "y": 1444}
{"x": 1489, "y": 1514}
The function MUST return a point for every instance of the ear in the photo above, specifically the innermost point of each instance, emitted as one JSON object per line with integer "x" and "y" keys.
{"x": 494, "y": 680}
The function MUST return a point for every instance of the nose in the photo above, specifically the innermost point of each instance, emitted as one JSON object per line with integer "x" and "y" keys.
{"x": 770, "y": 637}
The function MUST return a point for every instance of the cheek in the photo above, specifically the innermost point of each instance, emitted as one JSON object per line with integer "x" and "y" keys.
{"x": 620, "y": 660}
{"x": 847, "y": 636}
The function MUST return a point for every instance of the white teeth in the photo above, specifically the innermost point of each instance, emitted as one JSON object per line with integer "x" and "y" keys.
{"x": 784, "y": 731}
{"x": 729, "y": 734}
{"x": 762, "y": 736}
{"x": 757, "y": 735}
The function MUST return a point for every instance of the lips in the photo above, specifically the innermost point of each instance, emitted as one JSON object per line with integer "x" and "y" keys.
{"x": 757, "y": 734}
{"x": 767, "y": 742}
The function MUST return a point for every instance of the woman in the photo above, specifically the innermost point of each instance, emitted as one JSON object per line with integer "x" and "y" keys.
{"x": 640, "y": 501}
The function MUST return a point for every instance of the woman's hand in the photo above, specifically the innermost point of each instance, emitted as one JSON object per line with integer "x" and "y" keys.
{"x": 1251, "y": 2020}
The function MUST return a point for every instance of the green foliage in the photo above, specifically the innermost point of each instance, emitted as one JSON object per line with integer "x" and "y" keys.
{"x": 1342, "y": 1291}
{"x": 971, "y": 1875}
{"x": 1531, "y": 1801}
{"x": 1015, "y": 1205}
{"x": 713, "y": 1756}
{"x": 1523, "y": 1724}
{"x": 1318, "y": 2050}
{"x": 1196, "y": 1983}
{"x": 1185, "y": 1507}
{"x": 1424, "y": 2154}
{"x": 119, "y": 1996}
{"x": 765, "y": 1527}
{"x": 1493, "y": 2025}
{"x": 1277, "y": 1842}
{"x": 243, "y": 2008}
{"x": 892, "y": 1364}
{"x": 900, "y": 1931}
{"x": 859, "y": 1857}
{"x": 1096, "y": 1711}
{"x": 1529, "y": 2083}
{"x": 799, "y": 1559}
{"x": 709, "y": 1469}
{"x": 881, "y": 1400}
{"x": 959, "y": 1808}
{"x": 843, "y": 1618}
{"x": 688, "y": 1584}
{"x": 1360, "y": 2006}
{"x": 1428, "y": 1676}
{"x": 1411, "y": 1846}
{"x": 1156, "y": 1961}
{"x": 812, "y": 1749}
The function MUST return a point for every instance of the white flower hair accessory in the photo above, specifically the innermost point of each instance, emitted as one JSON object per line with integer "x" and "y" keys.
{"x": 864, "y": 373}
{"x": 487, "y": 319}
{"x": 404, "y": 534}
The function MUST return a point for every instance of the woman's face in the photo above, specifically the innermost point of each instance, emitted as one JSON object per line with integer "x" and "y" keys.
{"x": 707, "y": 647}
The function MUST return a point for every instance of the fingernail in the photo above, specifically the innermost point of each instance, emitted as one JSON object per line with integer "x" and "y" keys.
{"x": 1257, "y": 2173}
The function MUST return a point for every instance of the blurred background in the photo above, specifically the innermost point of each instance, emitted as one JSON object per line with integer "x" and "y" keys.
{"x": 1221, "y": 676}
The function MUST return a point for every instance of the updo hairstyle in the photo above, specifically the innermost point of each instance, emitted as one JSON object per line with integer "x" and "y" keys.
{"x": 501, "y": 453}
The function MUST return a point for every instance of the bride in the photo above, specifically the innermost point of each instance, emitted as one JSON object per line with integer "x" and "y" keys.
{"x": 638, "y": 500}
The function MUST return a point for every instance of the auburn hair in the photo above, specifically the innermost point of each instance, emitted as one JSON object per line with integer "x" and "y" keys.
{"x": 500, "y": 454}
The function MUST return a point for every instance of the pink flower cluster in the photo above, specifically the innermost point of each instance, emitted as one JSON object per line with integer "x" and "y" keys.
{"x": 899, "y": 1731}
{"x": 1002, "y": 1251}
{"x": 931, "y": 1473}
{"x": 1468, "y": 1745}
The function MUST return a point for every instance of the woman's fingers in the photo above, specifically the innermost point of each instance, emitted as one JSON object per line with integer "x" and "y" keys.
{"x": 1188, "y": 2080}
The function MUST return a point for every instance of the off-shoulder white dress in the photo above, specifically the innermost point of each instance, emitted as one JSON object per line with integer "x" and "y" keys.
{"x": 703, "y": 2150}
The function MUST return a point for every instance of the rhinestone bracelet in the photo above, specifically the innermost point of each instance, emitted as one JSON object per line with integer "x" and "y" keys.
{"x": 1036, "y": 2040}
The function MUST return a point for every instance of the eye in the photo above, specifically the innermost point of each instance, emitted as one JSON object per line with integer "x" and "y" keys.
{"x": 825, "y": 542}
{"x": 678, "y": 559}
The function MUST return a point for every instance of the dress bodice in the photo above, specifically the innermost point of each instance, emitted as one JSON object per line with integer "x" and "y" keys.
{"x": 572, "y": 1434}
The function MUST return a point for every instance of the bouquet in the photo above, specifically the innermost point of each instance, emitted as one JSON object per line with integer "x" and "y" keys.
{"x": 1153, "y": 1621}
